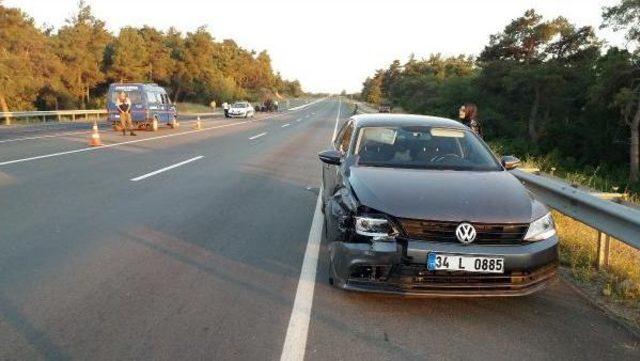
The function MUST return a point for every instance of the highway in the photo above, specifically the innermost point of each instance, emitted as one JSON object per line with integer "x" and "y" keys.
{"x": 201, "y": 245}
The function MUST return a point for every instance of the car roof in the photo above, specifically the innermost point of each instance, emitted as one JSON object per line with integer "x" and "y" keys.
{"x": 404, "y": 120}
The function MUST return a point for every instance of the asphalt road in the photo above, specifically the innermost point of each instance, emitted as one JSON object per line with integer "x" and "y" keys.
{"x": 189, "y": 245}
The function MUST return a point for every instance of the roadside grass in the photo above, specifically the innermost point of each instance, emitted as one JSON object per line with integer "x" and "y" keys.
{"x": 578, "y": 246}
{"x": 193, "y": 108}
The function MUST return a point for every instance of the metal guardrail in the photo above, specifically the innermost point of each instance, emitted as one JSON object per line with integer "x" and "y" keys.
{"x": 609, "y": 218}
{"x": 57, "y": 114}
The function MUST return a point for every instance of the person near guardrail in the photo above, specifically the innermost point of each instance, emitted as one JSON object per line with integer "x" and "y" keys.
{"x": 225, "y": 108}
{"x": 123, "y": 103}
{"x": 468, "y": 114}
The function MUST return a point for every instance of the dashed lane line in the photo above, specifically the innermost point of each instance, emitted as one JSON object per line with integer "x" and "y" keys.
{"x": 144, "y": 176}
{"x": 258, "y": 136}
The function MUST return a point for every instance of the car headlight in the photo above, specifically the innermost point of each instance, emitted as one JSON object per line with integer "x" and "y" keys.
{"x": 540, "y": 229}
{"x": 374, "y": 226}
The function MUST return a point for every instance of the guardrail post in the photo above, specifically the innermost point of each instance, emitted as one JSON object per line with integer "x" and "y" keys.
{"x": 602, "y": 257}
{"x": 73, "y": 117}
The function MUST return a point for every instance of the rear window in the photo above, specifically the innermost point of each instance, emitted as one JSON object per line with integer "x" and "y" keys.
{"x": 134, "y": 95}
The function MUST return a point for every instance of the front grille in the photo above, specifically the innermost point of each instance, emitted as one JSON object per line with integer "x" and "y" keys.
{"x": 486, "y": 233}
{"x": 417, "y": 280}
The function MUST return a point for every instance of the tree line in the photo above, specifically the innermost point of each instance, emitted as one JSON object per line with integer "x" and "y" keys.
{"x": 71, "y": 67}
{"x": 544, "y": 87}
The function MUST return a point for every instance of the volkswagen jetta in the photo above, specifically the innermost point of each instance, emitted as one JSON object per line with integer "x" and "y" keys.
{"x": 419, "y": 205}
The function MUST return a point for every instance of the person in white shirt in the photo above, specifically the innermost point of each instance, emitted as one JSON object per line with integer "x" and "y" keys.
{"x": 225, "y": 107}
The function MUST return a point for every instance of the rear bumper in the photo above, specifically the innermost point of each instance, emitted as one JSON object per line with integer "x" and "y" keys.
{"x": 400, "y": 268}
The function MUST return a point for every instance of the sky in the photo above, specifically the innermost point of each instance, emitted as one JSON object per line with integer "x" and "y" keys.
{"x": 331, "y": 45}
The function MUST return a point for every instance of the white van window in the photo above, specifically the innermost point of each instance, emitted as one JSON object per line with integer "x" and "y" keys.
{"x": 134, "y": 96}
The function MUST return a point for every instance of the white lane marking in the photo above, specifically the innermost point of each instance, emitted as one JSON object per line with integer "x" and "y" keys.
{"x": 44, "y": 136}
{"x": 299, "y": 119}
{"x": 308, "y": 104}
{"x": 285, "y": 125}
{"x": 112, "y": 145}
{"x": 295, "y": 341}
{"x": 257, "y": 136}
{"x": 166, "y": 169}
{"x": 335, "y": 128}
{"x": 119, "y": 144}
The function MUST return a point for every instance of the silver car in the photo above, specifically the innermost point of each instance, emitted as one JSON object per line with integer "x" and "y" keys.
{"x": 241, "y": 110}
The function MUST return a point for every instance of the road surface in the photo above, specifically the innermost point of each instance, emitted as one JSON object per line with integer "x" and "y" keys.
{"x": 189, "y": 245}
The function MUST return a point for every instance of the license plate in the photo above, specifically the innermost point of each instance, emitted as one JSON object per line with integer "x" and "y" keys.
{"x": 452, "y": 262}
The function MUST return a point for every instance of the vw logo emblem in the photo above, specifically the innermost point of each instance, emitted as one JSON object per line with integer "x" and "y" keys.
{"x": 465, "y": 233}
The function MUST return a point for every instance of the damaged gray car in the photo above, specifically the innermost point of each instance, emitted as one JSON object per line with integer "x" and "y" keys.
{"x": 420, "y": 206}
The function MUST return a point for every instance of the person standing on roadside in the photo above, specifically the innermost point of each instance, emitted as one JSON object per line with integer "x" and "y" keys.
{"x": 468, "y": 115}
{"x": 225, "y": 108}
{"x": 123, "y": 103}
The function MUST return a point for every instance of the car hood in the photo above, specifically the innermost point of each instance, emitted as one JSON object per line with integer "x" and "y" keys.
{"x": 483, "y": 197}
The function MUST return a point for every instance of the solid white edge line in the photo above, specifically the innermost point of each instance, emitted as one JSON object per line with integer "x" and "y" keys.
{"x": 295, "y": 342}
{"x": 166, "y": 169}
{"x": 112, "y": 145}
{"x": 335, "y": 127}
{"x": 258, "y": 136}
{"x": 285, "y": 125}
{"x": 59, "y": 135}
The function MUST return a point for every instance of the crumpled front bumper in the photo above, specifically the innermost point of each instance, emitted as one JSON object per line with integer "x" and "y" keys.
{"x": 399, "y": 267}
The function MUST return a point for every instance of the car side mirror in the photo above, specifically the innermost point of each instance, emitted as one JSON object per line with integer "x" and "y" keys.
{"x": 330, "y": 157}
{"x": 510, "y": 162}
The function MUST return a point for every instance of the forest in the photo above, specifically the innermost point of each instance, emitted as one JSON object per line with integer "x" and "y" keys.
{"x": 71, "y": 67}
{"x": 546, "y": 89}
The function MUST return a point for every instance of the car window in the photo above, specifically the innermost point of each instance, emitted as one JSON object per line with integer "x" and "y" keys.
{"x": 423, "y": 147}
{"x": 152, "y": 98}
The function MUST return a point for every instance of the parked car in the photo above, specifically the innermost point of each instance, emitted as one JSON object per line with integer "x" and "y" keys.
{"x": 241, "y": 110}
{"x": 419, "y": 205}
{"x": 149, "y": 102}
{"x": 384, "y": 109}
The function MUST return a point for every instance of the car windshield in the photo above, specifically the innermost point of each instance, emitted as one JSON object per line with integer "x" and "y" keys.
{"x": 423, "y": 147}
{"x": 239, "y": 105}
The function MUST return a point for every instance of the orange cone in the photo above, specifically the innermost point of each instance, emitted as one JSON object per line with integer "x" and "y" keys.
{"x": 198, "y": 125}
{"x": 95, "y": 137}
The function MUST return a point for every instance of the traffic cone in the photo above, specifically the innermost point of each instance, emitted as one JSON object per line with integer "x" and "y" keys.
{"x": 95, "y": 136}
{"x": 198, "y": 125}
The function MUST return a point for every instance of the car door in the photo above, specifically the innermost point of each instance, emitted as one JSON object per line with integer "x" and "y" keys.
{"x": 331, "y": 173}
